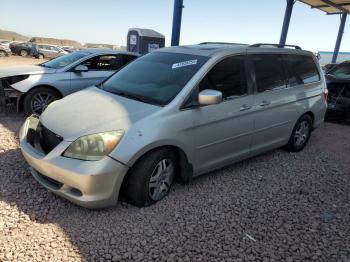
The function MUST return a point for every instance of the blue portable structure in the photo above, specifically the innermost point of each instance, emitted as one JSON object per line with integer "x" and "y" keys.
{"x": 331, "y": 7}
{"x": 143, "y": 41}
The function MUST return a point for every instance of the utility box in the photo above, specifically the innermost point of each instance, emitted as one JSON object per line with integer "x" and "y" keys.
{"x": 143, "y": 41}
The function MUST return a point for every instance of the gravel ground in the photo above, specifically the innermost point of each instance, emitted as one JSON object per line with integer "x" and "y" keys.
{"x": 275, "y": 207}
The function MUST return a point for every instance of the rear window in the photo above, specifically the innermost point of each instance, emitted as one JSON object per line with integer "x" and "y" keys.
{"x": 300, "y": 69}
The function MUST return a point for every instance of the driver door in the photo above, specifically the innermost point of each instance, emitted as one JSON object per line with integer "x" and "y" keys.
{"x": 223, "y": 132}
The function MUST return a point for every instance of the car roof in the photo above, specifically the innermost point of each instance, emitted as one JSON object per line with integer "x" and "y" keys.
{"x": 212, "y": 49}
{"x": 106, "y": 51}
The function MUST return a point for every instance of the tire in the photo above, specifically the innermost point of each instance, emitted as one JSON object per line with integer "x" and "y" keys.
{"x": 41, "y": 56}
{"x": 146, "y": 179}
{"x": 3, "y": 53}
{"x": 301, "y": 134}
{"x": 23, "y": 53}
{"x": 36, "y": 100}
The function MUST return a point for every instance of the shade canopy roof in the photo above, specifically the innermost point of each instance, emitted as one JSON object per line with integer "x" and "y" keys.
{"x": 329, "y": 6}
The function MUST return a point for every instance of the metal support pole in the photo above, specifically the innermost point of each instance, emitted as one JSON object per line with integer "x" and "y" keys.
{"x": 339, "y": 38}
{"x": 175, "y": 35}
{"x": 287, "y": 16}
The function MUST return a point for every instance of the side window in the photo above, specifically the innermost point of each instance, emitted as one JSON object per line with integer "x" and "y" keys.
{"x": 128, "y": 58}
{"x": 300, "y": 69}
{"x": 227, "y": 76}
{"x": 104, "y": 63}
{"x": 269, "y": 72}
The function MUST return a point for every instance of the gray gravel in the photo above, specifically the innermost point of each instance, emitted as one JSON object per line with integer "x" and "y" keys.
{"x": 275, "y": 207}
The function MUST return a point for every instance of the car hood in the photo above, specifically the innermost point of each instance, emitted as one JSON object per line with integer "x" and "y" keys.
{"x": 25, "y": 70}
{"x": 91, "y": 111}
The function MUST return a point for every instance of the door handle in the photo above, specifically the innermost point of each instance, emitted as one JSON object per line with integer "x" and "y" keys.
{"x": 244, "y": 108}
{"x": 265, "y": 103}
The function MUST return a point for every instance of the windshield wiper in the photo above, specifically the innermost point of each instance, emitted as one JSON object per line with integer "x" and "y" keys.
{"x": 43, "y": 65}
{"x": 132, "y": 96}
{"x": 128, "y": 95}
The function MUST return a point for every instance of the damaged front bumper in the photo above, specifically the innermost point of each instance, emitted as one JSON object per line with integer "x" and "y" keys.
{"x": 91, "y": 184}
{"x": 8, "y": 95}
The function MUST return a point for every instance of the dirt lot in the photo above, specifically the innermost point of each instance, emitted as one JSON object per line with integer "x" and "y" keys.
{"x": 18, "y": 60}
{"x": 279, "y": 206}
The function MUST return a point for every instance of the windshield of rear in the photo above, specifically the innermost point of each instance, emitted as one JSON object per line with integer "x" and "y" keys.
{"x": 155, "y": 78}
{"x": 65, "y": 60}
{"x": 341, "y": 71}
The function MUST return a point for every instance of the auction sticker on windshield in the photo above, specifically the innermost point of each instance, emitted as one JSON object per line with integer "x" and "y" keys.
{"x": 185, "y": 63}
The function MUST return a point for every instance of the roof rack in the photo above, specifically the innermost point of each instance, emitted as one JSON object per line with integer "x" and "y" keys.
{"x": 220, "y": 43}
{"x": 275, "y": 45}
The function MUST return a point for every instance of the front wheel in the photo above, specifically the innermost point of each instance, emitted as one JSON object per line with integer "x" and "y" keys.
{"x": 36, "y": 100}
{"x": 151, "y": 178}
{"x": 301, "y": 134}
{"x": 23, "y": 53}
{"x": 41, "y": 56}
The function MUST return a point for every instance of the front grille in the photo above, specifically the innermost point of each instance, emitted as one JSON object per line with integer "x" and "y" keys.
{"x": 48, "y": 139}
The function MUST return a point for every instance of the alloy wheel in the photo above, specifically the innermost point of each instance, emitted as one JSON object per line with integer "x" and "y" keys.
{"x": 40, "y": 102}
{"x": 23, "y": 53}
{"x": 161, "y": 179}
{"x": 301, "y": 133}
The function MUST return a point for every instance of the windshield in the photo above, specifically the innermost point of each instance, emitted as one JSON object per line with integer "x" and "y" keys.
{"x": 155, "y": 78}
{"x": 341, "y": 71}
{"x": 65, "y": 60}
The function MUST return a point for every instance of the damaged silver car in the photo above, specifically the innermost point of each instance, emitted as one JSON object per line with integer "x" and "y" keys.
{"x": 33, "y": 87}
{"x": 174, "y": 114}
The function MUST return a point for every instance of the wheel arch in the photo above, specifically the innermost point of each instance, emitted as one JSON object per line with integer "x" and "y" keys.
{"x": 20, "y": 101}
{"x": 186, "y": 168}
{"x": 312, "y": 115}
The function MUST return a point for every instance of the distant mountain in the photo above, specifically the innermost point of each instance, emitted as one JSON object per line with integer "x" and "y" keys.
{"x": 9, "y": 35}
{"x": 54, "y": 41}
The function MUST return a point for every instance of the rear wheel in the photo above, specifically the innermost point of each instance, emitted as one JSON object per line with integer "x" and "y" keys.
{"x": 301, "y": 134}
{"x": 36, "y": 100}
{"x": 2, "y": 53}
{"x": 23, "y": 53}
{"x": 151, "y": 178}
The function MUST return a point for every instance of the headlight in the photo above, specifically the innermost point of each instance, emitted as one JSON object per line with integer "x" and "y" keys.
{"x": 94, "y": 147}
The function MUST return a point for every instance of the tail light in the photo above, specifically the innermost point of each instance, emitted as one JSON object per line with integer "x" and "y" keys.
{"x": 325, "y": 94}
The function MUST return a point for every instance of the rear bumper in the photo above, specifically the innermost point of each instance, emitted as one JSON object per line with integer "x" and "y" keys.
{"x": 91, "y": 184}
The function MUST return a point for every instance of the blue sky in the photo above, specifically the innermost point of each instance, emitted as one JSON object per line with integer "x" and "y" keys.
{"x": 107, "y": 21}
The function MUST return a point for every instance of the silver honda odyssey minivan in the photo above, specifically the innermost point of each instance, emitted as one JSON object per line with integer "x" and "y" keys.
{"x": 172, "y": 115}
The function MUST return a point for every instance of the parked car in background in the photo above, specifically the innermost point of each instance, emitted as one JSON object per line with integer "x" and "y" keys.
{"x": 5, "y": 42}
{"x": 328, "y": 67}
{"x": 69, "y": 49}
{"x": 338, "y": 83}
{"x": 33, "y": 87}
{"x": 22, "y": 49}
{"x": 175, "y": 113}
{"x": 50, "y": 51}
{"x": 4, "y": 50}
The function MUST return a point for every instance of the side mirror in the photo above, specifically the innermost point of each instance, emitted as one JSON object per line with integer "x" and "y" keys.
{"x": 209, "y": 97}
{"x": 81, "y": 68}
